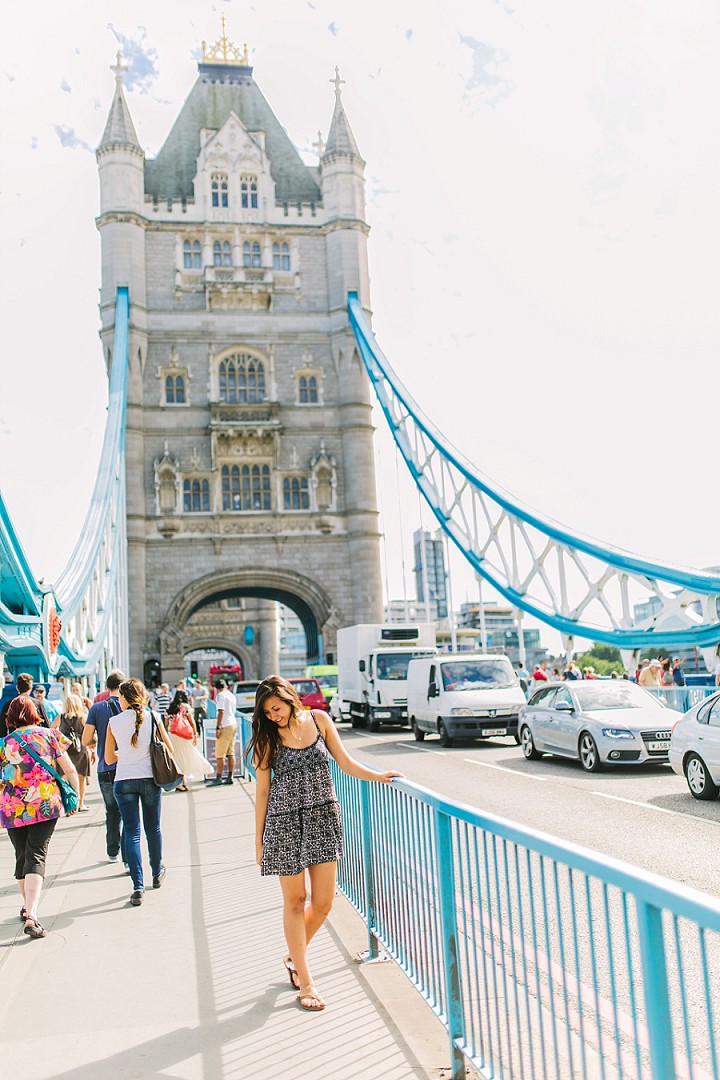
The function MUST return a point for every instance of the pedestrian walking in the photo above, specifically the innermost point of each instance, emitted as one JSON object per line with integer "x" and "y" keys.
{"x": 71, "y": 724}
{"x": 184, "y": 736}
{"x": 94, "y": 732}
{"x": 127, "y": 746}
{"x": 225, "y": 732}
{"x": 297, "y": 815}
{"x": 30, "y": 799}
{"x": 162, "y": 698}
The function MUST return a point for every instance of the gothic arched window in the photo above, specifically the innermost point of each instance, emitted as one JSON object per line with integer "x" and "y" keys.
{"x": 281, "y": 257}
{"x": 230, "y": 480}
{"x": 256, "y": 487}
{"x": 295, "y": 493}
{"x": 217, "y": 253}
{"x": 241, "y": 380}
{"x": 196, "y": 496}
{"x": 192, "y": 255}
{"x": 252, "y": 255}
{"x": 226, "y": 253}
{"x": 219, "y": 189}
{"x": 248, "y": 193}
{"x": 307, "y": 390}
{"x": 246, "y": 487}
{"x": 174, "y": 390}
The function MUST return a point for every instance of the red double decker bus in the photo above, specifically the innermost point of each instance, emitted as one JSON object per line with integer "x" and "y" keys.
{"x": 230, "y": 672}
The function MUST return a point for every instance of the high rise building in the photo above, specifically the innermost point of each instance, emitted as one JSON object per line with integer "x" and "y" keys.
{"x": 429, "y": 568}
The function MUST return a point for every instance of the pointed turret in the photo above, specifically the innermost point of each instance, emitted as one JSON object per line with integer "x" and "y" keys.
{"x": 119, "y": 130}
{"x": 340, "y": 138}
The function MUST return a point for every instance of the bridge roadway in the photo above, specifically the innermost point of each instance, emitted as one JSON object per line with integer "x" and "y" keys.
{"x": 643, "y": 815}
{"x": 191, "y": 985}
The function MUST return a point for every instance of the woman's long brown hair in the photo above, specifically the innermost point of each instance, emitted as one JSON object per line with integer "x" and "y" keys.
{"x": 265, "y": 738}
{"x": 136, "y": 696}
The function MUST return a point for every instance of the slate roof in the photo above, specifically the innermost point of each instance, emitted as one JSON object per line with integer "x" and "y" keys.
{"x": 218, "y": 91}
{"x": 119, "y": 130}
{"x": 340, "y": 137}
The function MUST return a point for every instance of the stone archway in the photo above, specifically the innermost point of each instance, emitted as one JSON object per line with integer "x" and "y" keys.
{"x": 196, "y": 642}
{"x": 303, "y": 595}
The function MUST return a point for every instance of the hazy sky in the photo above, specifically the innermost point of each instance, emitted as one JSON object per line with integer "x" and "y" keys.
{"x": 542, "y": 186}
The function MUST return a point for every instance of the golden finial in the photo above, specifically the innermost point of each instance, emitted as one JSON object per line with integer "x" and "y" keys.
{"x": 224, "y": 52}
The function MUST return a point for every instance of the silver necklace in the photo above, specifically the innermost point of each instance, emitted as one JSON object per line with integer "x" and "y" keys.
{"x": 298, "y": 736}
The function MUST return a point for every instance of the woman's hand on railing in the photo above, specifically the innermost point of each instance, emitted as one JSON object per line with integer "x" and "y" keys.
{"x": 388, "y": 777}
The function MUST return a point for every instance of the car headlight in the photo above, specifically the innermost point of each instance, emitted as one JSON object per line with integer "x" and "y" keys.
{"x": 617, "y": 733}
{"x": 461, "y": 712}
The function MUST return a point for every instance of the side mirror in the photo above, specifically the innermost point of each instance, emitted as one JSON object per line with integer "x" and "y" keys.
{"x": 433, "y": 690}
{"x": 564, "y": 706}
{"x": 361, "y": 665}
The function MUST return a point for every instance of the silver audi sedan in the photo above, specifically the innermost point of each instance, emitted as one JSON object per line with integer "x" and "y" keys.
{"x": 599, "y": 721}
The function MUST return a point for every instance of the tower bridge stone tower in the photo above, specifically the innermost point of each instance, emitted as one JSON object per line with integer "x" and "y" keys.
{"x": 249, "y": 458}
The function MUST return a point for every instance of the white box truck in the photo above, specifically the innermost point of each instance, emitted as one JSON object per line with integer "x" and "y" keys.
{"x": 373, "y": 660}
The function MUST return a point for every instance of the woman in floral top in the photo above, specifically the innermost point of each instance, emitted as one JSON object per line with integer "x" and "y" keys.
{"x": 30, "y": 801}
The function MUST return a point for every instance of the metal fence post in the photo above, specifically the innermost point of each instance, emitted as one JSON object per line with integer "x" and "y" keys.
{"x": 655, "y": 988}
{"x": 445, "y": 871}
{"x": 368, "y": 869}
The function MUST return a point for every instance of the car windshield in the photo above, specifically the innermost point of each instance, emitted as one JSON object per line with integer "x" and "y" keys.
{"x": 246, "y": 687}
{"x": 330, "y": 681}
{"x": 477, "y": 675}
{"x": 305, "y": 687}
{"x": 615, "y": 694}
{"x": 394, "y": 666}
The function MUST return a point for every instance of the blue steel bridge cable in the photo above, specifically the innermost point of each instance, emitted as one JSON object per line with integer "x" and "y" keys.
{"x": 445, "y": 478}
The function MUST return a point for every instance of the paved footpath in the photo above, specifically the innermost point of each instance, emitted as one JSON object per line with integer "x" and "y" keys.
{"x": 191, "y": 986}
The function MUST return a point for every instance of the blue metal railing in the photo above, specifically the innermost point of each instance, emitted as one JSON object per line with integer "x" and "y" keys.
{"x": 541, "y": 958}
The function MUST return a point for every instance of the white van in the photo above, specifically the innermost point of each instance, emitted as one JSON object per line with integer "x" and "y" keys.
{"x": 463, "y": 695}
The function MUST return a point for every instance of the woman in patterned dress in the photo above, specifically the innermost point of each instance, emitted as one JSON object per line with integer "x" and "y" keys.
{"x": 30, "y": 800}
{"x": 297, "y": 816}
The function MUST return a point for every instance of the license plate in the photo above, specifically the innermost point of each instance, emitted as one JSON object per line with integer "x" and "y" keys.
{"x": 494, "y": 731}
{"x": 658, "y": 745}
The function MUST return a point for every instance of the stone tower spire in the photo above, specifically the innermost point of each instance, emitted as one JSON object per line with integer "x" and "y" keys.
{"x": 340, "y": 138}
{"x": 119, "y": 130}
{"x": 343, "y": 189}
{"x": 122, "y": 224}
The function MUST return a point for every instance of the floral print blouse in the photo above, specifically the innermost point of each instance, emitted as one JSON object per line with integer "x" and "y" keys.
{"x": 28, "y": 793}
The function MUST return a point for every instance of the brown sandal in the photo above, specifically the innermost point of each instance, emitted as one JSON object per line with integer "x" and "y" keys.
{"x": 311, "y": 1001}
{"x": 292, "y": 972}
{"x": 33, "y": 928}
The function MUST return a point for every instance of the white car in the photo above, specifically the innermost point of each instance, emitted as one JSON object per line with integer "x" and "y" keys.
{"x": 245, "y": 694}
{"x": 601, "y": 722}
{"x": 695, "y": 748}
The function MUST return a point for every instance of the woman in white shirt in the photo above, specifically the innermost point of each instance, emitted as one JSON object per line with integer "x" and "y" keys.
{"x": 128, "y": 743}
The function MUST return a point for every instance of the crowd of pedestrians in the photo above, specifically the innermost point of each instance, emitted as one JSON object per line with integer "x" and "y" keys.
{"x": 45, "y": 743}
{"x": 652, "y": 673}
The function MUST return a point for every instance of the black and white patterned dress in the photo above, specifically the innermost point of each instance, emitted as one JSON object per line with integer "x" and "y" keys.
{"x": 303, "y": 826}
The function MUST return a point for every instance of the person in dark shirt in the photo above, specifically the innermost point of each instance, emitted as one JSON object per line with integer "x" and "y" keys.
{"x": 96, "y": 725}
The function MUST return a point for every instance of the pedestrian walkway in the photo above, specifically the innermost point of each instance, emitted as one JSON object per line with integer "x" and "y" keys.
{"x": 191, "y": 986}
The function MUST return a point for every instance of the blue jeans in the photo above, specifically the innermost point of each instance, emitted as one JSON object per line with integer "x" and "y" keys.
{"x": 130, "y": 796}
{"x": 114, "y": 839}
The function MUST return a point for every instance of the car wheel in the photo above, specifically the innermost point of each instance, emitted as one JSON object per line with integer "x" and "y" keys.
{"x": 528, "y": 745}
{"x": 373, "y": 724}
{"x": 698, "y": 779}
{"x": 445, "y": 739}
{"x": 419, "y": 735}
{"x": 589, "y": 756}
{"x": 517, "y": 738}
{"x": 358, "y": 721}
